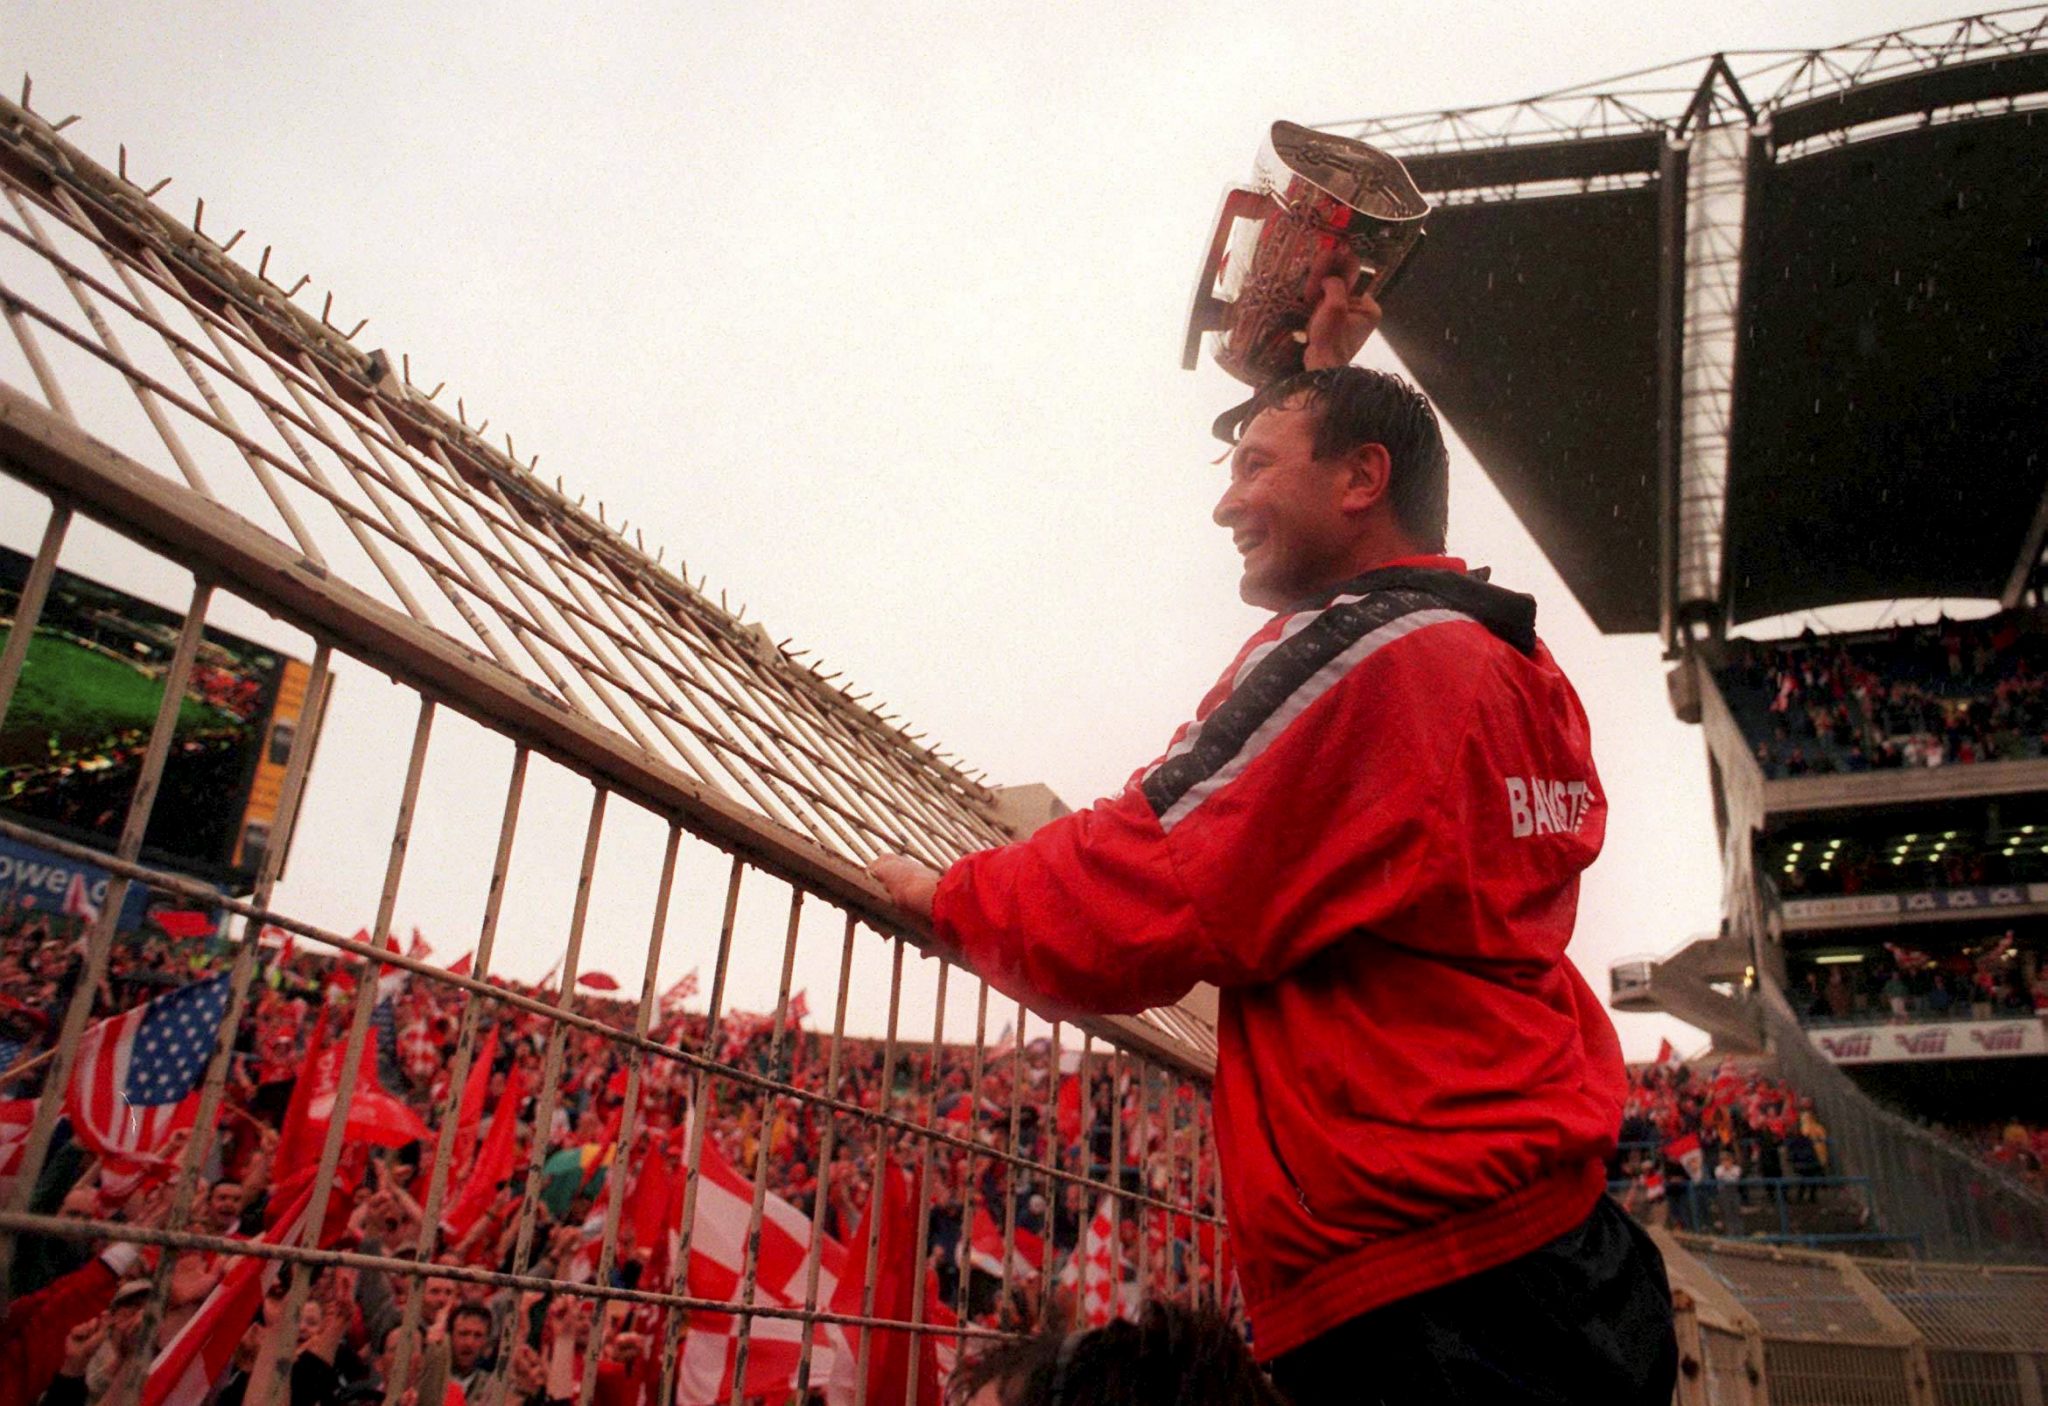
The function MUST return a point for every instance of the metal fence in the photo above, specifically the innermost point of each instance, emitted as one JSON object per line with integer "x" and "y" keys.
{"x": 1771, "y": 1326}
{"x": 588, "y": 756}
{"x": 1953, "y": 1204}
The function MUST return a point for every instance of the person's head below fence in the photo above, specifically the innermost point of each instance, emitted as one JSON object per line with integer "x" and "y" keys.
{"x": 1186, "y": 1356}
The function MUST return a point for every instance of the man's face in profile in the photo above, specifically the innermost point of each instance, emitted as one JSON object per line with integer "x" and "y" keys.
{"x": 1284, "y": 510}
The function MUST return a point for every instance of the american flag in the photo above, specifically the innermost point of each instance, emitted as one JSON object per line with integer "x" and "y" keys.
{"x": 138, "y": 1072}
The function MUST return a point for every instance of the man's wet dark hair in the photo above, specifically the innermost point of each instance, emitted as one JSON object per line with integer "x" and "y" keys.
{"x": 1352, "y": 406}
{"x": 1172, "y": 1356}
{"x": 469, "y": 1310}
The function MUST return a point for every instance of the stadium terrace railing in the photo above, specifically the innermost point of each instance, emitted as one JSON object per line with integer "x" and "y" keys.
{"x": 280, "y": 470}
{"x": 1790, "y": 1327}
{"x": 1955, "y": 1205}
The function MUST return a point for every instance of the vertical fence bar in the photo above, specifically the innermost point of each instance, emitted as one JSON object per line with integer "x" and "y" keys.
{"x": 100, "y": 942}
{"x": 1049, "y": 1141}
{"x": 28, "y": 610}
{"x": 1011, "y": 1174}
{"x": 1116, "y": 1179}
{"x": 458, "y": 1074}
{"x": 827, "y": 1145}
{"x": 285, "y": 1330}
{"x": 700, "y": 1121}
{"x": 615, "y": 1187}
{"x": 923, "y": 1190}
{"x": 186, "y": 1184}
{"x": 551, "y": 1067}
{"x": 877, "y": 1189}
{"x": 963, "y": 1298}
{"x": 750, "y": 1257}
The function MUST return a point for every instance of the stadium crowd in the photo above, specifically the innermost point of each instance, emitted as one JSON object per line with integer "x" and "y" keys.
{"x": 2018, "y": 1146}
{"x": 1997, "y": 978}
{"x": 1949, "y": 693}
{"x": 1699, "y": 1149}
{"x": 76, "y": 1313}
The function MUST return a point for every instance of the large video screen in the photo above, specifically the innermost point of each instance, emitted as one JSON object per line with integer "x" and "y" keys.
{"x": 73, "y": 739}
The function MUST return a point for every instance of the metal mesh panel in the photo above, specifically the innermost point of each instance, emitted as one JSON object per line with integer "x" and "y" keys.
{"x": 1956, "y": 1206}
{"x": 1726, "y": 1368}
{"x": 1821, "y": 1374}
{"x": 567, "y": 750}
{"x": 1977, "y": 1379}
{"x": 1794, "y": 1296}
{"x": 1967, "y": 1306}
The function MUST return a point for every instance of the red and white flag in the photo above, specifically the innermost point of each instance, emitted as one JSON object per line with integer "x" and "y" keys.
{"x": 191, "y": 1364}
{"x": 78, "y": 900}
{"x": 418, "y": 947}
{"x": 673, "y": 998}
{"x": 1687, "y": 1153}
{"x": 17, "y": 1117}
{"x": 718, "y": 1241}
{"x": 799, "y": 1008}
{"x": 1098, "y": 1268}
{"x": 985, "y": 1244}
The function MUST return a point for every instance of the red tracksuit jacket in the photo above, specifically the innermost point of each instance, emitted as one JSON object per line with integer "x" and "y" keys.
{"x": 1370, "y": 839}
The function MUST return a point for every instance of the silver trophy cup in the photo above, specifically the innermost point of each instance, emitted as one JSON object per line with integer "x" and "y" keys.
{"x": 1318, "y": 204}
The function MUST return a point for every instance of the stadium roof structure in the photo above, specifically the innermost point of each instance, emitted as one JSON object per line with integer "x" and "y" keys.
{"x": 1756, "y": 332}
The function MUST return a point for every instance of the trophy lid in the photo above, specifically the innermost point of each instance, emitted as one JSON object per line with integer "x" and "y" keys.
{"x": 1362, "y": 176}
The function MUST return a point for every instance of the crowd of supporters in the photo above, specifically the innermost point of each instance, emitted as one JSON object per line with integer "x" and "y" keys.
{"x": 76, "y": 1314}
{"x": 1997, "y": 978}
{"x": 1943, "y": 694}
{"x": 2018, "y": 1146}
{"x": 1720, "y": 1150}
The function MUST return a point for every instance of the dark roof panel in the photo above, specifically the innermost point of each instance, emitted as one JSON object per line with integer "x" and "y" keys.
{"x": 1533, "y": 326}
{"x": 1892, "y": 383}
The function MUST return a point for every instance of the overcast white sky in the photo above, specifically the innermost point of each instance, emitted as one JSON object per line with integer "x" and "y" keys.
{"x": 873, "y": 313}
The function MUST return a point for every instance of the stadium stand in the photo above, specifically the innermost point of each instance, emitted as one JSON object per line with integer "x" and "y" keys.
{"x": 1948, "y": 694}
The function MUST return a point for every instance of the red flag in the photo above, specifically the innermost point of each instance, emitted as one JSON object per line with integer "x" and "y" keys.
{"x": 494, "y": 1161}
{"x": 648, "y": 1201}
{"x": 896, "y": 1276}
{"x": 597, "y": 981}
{"x": 374, "y": 1116}
{"x": 418, "y": 947}
{"x": 798, "y": 1009}
{"x": 462, "y": 964}
{"x": 1068, "y": 1113}
{"x": 184, "y": 922}
{"x": 1665, "y": 1054}
{"x": 471, "y": 1109}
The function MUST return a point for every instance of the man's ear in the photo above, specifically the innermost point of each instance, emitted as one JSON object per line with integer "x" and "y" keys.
{"x": 1368, "y": 473}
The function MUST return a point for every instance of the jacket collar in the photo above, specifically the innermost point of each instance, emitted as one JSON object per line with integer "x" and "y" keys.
{"x": 1509, "y": 614}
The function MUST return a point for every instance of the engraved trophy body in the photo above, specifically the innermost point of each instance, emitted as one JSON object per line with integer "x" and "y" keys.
{"x": 1314, "y": 199}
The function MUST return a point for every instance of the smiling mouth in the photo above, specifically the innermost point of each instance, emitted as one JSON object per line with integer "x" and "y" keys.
{"x": 1248, "y": 544}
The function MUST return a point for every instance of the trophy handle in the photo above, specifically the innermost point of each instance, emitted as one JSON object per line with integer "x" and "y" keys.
{"x": 1210, "y": 313}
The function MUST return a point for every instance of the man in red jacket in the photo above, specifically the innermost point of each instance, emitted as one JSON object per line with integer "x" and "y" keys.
{"x": 1370, "y": 839}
